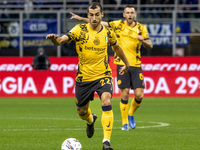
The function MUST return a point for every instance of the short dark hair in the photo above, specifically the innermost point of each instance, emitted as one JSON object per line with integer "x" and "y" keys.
{"x": 129, "y": 6}
{"x": 94, "y": 5}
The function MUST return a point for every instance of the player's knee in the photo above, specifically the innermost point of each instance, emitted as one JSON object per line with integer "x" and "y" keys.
{"x": 81, "y": 112}
{"x": 105, "y": 102}
{"x": 125, "y": 91}
{"x": 125, "y": 97}
{"x": 139, "y": 94}
{"x": 139, "y": 97}
{"x": 125, "y": 94}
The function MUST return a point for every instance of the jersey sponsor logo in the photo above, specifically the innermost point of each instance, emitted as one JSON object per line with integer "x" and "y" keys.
{"x": 90, "y": 48}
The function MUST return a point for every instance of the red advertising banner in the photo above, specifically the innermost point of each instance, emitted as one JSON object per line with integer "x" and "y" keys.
{"x": 38, "y": 84}
{"x": 172, "y": 76}
{"x": 164, "y": 77}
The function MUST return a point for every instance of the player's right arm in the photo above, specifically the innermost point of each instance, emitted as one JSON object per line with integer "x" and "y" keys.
{"x": 77, "y": 17}
{"x": 56, "y": 40}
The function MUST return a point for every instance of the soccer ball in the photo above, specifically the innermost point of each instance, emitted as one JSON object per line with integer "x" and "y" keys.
{"x": 71, "y": 144}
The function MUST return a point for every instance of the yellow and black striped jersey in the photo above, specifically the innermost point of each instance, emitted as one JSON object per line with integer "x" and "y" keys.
{"x": 91, "y": 47}
{"x": 127, "y": 39}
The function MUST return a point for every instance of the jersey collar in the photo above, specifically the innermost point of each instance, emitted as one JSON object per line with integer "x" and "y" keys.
{"x": 128, "y": 25}
{"x": 95, "y": 30}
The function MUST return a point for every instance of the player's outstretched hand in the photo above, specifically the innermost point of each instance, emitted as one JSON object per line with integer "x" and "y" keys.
{"x": 51, "y": 36}
{"x": 74, "y": 16}
{"x": 123, "y": 70}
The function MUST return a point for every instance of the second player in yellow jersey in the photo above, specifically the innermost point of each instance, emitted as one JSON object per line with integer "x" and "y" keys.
{"x": 127, "y": 38}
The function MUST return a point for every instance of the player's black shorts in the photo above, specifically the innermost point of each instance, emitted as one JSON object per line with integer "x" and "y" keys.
{"x": 84, "y": 91}
{"x": 132, "y": 79}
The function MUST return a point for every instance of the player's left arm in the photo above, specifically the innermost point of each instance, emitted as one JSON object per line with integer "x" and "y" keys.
{"x": 146, "y": 42}
{"x": 144, "y": 38}
{"x": 118, "y": 50}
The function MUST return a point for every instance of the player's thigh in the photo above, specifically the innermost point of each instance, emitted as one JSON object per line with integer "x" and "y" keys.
{"x": 106, "y": 99}
{"x": 105, "y": 89}
{"x": 137, "y": 78}
{"x": 125, "y": 93}
{"x": 123, "y": 81}
{"x": 84, "y": 93}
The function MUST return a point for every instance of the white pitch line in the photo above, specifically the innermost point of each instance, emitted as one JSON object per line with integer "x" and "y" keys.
{"x": 157, "y": 124}
{"x": 160, "y": 124}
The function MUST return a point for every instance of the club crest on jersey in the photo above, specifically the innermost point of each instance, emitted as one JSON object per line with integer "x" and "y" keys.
{"x": 96, "y": 41}
{"x": 130, "y": 32}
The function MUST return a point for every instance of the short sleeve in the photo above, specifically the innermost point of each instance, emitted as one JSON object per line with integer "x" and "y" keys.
{"x": 114, "y": 24}
{"x": 112, "y": 37}
{"x": 145, "y": 32}
{"x": 74, "y": 33}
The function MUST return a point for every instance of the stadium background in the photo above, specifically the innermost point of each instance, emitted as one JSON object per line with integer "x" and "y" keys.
{"x": 173, "y": 26}
{"x": 37, "y": 108}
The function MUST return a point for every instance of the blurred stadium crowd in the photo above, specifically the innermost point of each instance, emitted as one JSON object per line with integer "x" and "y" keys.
{"x": 157, "y": 12}
{"x": 54, "y": 5}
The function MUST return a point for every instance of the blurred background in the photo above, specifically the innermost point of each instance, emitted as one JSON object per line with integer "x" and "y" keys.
{"x": 38, "y": 106}
{"x": 173, "y": 25}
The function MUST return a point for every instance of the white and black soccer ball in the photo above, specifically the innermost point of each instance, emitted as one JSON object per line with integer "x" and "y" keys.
{"x": 71, "y": 144}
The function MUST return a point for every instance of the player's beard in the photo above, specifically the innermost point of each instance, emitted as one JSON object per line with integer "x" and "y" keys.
{"x": 129, "y": 21}
{"x": 95, "y": 24}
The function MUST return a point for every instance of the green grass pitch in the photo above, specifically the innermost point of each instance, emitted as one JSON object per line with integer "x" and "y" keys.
{"x": 44, "y": 123}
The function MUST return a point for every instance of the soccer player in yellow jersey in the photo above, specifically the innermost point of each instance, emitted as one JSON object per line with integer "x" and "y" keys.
{"x": 94, "y": 73}
{"x": 130, "y": 35}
